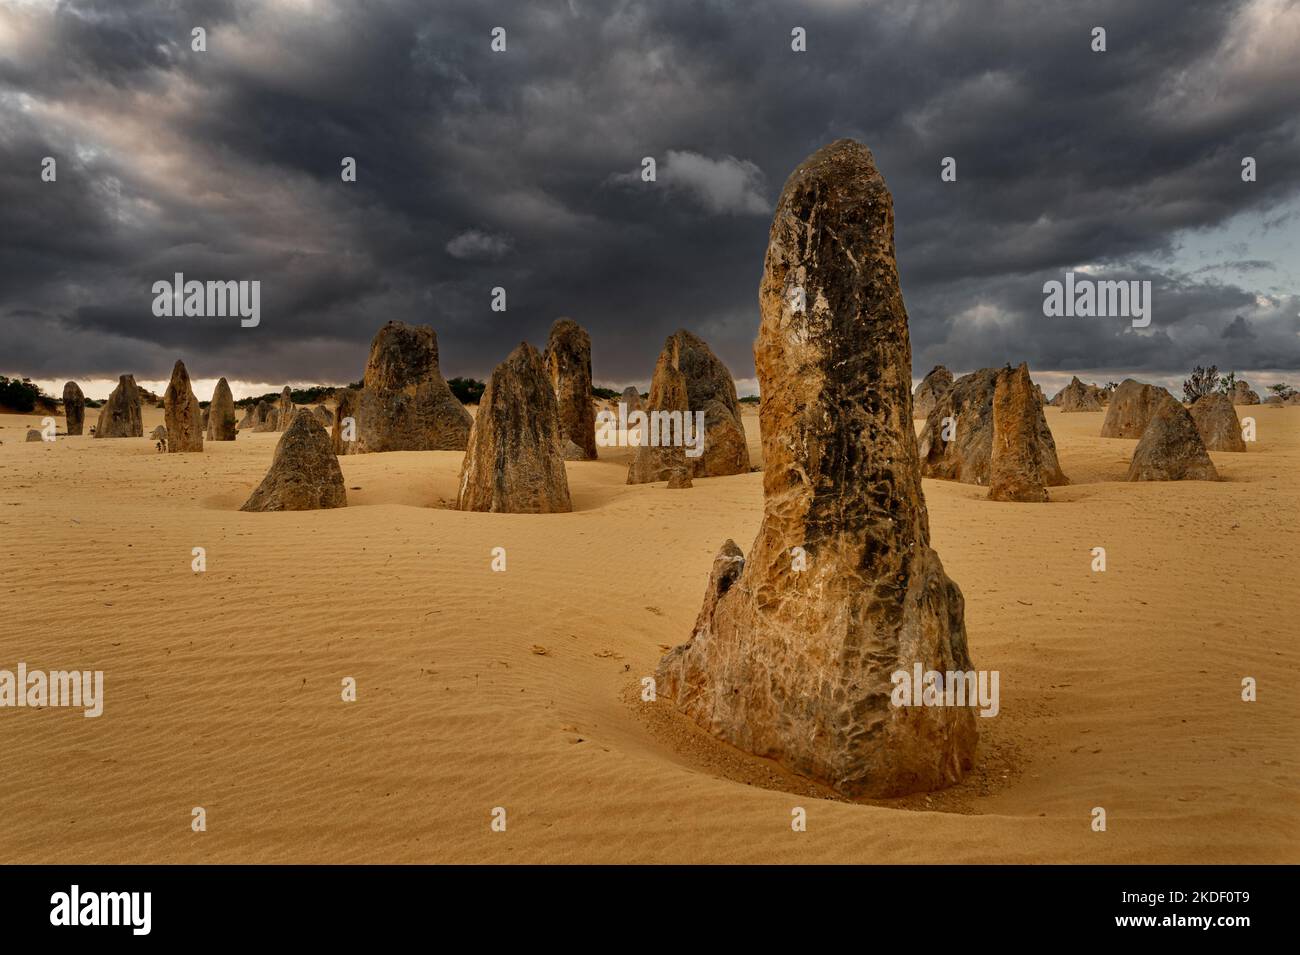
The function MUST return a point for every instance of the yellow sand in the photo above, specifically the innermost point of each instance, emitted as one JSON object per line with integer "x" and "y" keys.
{"x": 518, "y": 689}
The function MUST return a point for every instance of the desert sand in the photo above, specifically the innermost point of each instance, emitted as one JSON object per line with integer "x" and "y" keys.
{"x": 479, "y": 689}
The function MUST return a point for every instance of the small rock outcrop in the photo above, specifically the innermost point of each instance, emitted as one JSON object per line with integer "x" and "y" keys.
{"x": 711, "y": 389}
{"x": 304, "y": 474}
{"x": 268, "y": 417}
{"x": 1131, "y": 408}
{"x": 74, "y": 409}
{"x": 1076, "y": 396}
{"x": 568, "y": 362}
{"x": 514, "y": 463}
{"x": 1242, "y": 394}
{"x": 1171, "y": 448}
{"x": 34, "y": 435}
{"x": 343, "y": 430}
{"x": 660, "y": 453}
{"x": 404, "y": 404}
{"x": 286, "y": 410}
{"x": 1218, "y": 424}
{"x": 221, "y": 413}
{"x": 121, "y": 416}
{"x": 956, "y": 443}
{"x": 800, "y": 665}
{"x": 932, "y": 387}
{"x": 159, "y": 433}
{"x": 182, "y": 414}
{"x": 323, "y": 415}
{"x": 631, "y": 398}
{"x": 1016, "y": 468}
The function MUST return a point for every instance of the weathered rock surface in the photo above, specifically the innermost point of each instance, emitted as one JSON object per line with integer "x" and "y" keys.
{"x": 1218, "y": 424}
{"x": 568, "y": 362}
{"x": 343, "y": 430}
{"x": 797, "y": 665}
{"x": 656, "y": 461}
{"x": 250, "y": 417}
{"x": 34, "y": 435}
{"x": 1131, "y": 408}
{"x": 268, "y": 417}
{"x": 221, "y": 413}
{"x": 1242, "y": 394}
{"x": 956, "y": 443}
{"x": 1076, "y": 396}
{"x": 304, "y": 474}
{"x": 405, "y": 405}
{"x": 121, "y": 416}
{"x": 631, "y": 398}
{"x": 1015, "y": 466}
{"x": 181, "y": 413}
{"x": 74, "y": 409}
{"x": 1171, "y": 448}
{"x": 286, "y": 410}
{"x": 679, "y": 479}
{"x": 932, "y": 387}
{"x": 514, "y": 463}
{"x": 323, "y": 415}
{"x": 711, "y": 389}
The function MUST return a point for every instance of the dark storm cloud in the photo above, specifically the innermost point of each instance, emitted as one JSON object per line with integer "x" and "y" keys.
{"x": 522, "y": 170}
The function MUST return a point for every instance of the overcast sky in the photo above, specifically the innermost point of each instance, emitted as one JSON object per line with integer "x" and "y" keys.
{"x": 521, "y": 169}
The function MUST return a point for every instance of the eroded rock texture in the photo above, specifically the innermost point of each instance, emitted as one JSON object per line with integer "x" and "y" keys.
{"x": 932, "y": 387}
{"x": 796, "y": 665}
{"x": 121, "y": 416}
{"x": 304, "y": 474}
{"x": 1076, "y": 396}
{"x": 1016, "y": 462}
{"x": 956, "y": 443}
{"x": 514, "y": 463}
{"x": 568, "y": 362}
{"x": 1218, "y": 424}
{"x": 286, "y": 409}
{"x": 668, "y": 396}
{"x": 74, "y": 409}
{"x": 1171, "y": 448}
{"x": 182, "y": 414}
{"x": 1242, "y": 394}
{"x": 221, "y": 413}
{"x": 405, "y": 405}
{"x": 1131, "y": 408}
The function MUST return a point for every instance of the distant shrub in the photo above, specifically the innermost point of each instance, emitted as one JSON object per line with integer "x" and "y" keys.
{"x": 1202, "y": 383}
{"x": 609, "y": 394}
{"x": 749, "y": 400}
{"x": 21, "y": 396}
{"x": 1282, "y": 391}
{"x": 468, "y": 390}
{"x": 1227, "y": 383}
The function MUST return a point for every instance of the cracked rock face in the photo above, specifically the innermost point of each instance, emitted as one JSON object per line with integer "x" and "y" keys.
{"x": 74, "y": 409}
{"x": 568, "y": 362}
{"x": 404, "y": 404}
{"x": 221, "y": 413}
{"x": 1131, "y": 408}
{"x": 515, "y": 460}
{"x": 797, "y": 664}
{"x": 121, "y": 415}
{"x": 1171, "y": 448}
{"x": 304, "y": 474}
{"x": 956, "y": 443}
{"x": 1218, "y": 424}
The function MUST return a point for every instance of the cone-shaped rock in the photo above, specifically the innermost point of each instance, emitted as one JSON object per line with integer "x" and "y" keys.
{"x": 1016, "y": 467}
{"x": 221, "y": 413}
{"x": 568, "y": 361}
{"x": 181, "y": 413}
{"x": 798, "y": 665}
{"x": 323, "y": 415}
{"x": 1076, "y": 396}
{"x": 405, "y": 405}
{"x": 956, "y": 443}
{"x": 711, "y": 389}
{"x": 631, "y": 398}
{"x": 932, "y": 387}
{"x": 1218, "y": 424}
{"x": 268, "y": 416}
{"x": 1131, "y": 408}
{"x": 662, "y": 449}
{"x": 120, "y": 416}
{"x": 74, "y": 409}
{"x": 304, "y": 475}
{"x": 1171, "y": 448}
{"x": 514, "y": 463}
